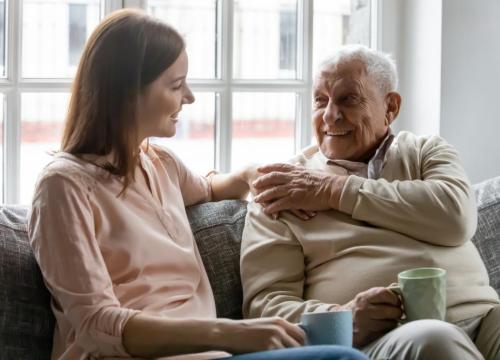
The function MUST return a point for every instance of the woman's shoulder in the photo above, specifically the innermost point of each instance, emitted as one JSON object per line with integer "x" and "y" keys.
{"x": 65, "y": 168}
{"x": 157, "y": 152}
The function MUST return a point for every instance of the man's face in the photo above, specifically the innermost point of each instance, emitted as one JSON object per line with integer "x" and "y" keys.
{"x": 351, "y": 115}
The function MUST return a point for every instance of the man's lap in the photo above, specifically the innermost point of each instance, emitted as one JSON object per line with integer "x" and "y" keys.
{"x": 488, "y": 334}
{"x": 423, "y": 339}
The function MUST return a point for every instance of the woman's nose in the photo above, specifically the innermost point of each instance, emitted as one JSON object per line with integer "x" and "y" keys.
{"x": 188, "y": 96}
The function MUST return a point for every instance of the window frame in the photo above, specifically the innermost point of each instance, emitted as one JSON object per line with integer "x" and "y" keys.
{"x": 13, "y": 85}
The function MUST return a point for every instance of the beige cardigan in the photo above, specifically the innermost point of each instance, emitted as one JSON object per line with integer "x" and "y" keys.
{"x": 420, "y": 212}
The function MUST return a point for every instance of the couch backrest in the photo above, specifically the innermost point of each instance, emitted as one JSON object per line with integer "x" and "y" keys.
{"x": 487, "y": 237}
{"x": 26, "y": 321}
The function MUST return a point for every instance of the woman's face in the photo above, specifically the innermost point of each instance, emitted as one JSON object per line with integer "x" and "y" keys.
{"x": 161, "y": 101}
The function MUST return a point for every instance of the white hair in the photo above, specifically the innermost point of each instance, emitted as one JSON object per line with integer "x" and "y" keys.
{"x": 379, "y": 66}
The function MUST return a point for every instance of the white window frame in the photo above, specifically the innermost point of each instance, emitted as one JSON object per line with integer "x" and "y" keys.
{"x": 14, "y": 85}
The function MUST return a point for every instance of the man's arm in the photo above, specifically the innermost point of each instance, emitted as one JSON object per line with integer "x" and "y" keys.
{"x": 437, "y": 207}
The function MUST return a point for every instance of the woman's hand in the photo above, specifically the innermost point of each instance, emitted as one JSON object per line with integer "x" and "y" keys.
{"x": 251, "y": 173}
{"x": 243, "y": 336}
{"x": 288, "y": 187}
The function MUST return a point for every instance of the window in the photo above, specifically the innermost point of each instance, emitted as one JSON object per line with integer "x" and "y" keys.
{"x": 77, "y": 31}
{"x": 2, "y": 38}
{"x": 39, "y": 59}
{"x": 255, "y": 59}
{"x": 250, "y": 68}
{"x": 288, "y": 39}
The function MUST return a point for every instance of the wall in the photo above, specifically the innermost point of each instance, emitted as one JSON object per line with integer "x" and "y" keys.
{"x": 410, "y": 30}
{"x": 470, "y": 84}
{"x": 448, "y": 55}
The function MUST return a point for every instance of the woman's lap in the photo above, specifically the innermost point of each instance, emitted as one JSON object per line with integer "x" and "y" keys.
{"x": 323, "y": 352}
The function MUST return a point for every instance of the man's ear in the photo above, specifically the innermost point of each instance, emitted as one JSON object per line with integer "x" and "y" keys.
{"x": 393, "y": 104}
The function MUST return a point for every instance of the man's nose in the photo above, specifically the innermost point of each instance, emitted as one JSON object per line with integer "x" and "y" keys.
{"x": 332, "y": 113}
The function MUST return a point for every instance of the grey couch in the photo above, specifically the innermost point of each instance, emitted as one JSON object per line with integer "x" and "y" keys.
{"x": 26, "y": 321}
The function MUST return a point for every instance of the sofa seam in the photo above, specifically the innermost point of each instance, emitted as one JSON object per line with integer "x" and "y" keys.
{"x": 489, "y": 205}
{"x": 221, "y": 223}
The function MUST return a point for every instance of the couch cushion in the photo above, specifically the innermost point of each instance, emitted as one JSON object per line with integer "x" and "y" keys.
{"x": 217, "y": 228}
{"x": 487, "y": 237}
{"x": 26, "y": 321}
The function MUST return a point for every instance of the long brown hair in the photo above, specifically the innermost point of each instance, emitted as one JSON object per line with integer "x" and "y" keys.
{"x": 126, "y": 52}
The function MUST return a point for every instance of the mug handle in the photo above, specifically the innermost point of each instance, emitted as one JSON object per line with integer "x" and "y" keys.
{"x": 304, "y": 327}
{"x": 396, "y": 289}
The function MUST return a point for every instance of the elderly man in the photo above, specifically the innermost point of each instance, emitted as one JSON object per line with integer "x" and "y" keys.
{"x": 384, "y": 204}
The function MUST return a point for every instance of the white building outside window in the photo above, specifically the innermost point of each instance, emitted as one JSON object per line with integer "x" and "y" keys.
{"x": 250, "y": 68}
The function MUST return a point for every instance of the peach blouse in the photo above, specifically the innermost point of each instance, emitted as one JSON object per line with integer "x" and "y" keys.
{"x": 105, "y": 258}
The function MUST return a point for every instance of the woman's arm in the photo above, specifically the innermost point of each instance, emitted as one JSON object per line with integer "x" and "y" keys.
{"x": 149, "y": 336}
{"x": 62, "y": 236}
{"x": 61, "y": 231}
{"x": 233, "y": 185}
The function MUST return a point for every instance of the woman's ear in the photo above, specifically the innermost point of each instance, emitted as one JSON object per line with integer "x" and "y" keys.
{"x": 393, "y": 104}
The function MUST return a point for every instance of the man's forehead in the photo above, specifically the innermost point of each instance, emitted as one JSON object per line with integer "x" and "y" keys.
{"x": 346, "y": 73}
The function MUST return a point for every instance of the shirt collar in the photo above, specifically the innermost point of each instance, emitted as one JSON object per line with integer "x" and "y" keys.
{"x": 373, "y": 168}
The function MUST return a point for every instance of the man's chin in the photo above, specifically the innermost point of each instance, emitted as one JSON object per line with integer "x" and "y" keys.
{"x": 336, "y": 155}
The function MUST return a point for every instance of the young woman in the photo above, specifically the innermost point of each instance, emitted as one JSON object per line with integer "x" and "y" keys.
{"x": 108, "y": 225}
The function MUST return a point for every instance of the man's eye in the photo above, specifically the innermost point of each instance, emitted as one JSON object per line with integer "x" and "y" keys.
{"x": 318, "y": 100}
{"x": 350, "y": 99}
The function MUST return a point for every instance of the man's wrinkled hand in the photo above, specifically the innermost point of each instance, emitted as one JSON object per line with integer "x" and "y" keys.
{"x": 375, "y": 312}
{"x": 289, "y": 187}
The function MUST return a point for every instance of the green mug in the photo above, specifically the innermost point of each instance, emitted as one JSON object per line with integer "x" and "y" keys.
{"x": 423, "y": 291}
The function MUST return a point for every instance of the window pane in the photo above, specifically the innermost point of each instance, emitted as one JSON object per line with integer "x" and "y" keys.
{"x": 194, "y": 140}
{"x": 2, "y": 107}
{"x": 263, "y": 128}
{"x": 196, "y": 21}
{"x": 337, "y": 23}
{"x": 2, "y": 38}
{"x": 42, "y": 117}
{"x": 265, "y": 39}
{"x": 54, "y": 32}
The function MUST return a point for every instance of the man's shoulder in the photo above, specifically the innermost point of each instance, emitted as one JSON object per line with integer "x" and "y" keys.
{"x": 412, "y": 138}
{"x": 407, "y": 142}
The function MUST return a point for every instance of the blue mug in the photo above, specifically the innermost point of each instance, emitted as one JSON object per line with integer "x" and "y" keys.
{"x": 328, "y": 328}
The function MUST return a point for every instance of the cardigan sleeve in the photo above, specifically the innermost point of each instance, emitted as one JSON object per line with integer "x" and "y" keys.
{"x": 437, "y": 206}
{"x": 61, "y": 232}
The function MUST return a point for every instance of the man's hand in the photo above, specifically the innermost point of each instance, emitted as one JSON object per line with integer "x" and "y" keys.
{"x": 288, "y": 187}
{"x": 250, "y": 173}
{"x": 375, "y": 312}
